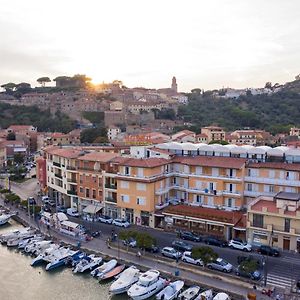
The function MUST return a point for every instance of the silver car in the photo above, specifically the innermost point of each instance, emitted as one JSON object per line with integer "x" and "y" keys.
{"x": 220, "y": 264}
{"x": 171, "y": 252}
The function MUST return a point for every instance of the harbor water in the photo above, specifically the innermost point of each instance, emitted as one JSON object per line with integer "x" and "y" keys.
{"x": 20, "y": 281}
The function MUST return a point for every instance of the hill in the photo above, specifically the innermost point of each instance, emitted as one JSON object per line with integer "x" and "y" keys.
{"x": 31, "y": 115}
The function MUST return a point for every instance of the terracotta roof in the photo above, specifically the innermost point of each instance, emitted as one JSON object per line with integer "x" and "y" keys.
{"x": 99, "y": 156}
{"x": 203, "y": 135}
{"x": 210, "y": 214}
{"x": 64, "y": 152}
{"x": 211, "y": 161}
{"x": 275, "y": 165}
{"x": 163, "y": 151}
{"x": 19, "y": 127}
{"x": 145, "y": 163}
{"x": 242, "y": 223}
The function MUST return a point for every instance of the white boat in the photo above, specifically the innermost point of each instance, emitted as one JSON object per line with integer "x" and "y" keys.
{"x": 4, "y": 218}
{"x": 24, "y": 243}
{"x": 37, "y": 247}
{"x": 63, "y": 255}
{"x": 125, "y": 280}
{"x": 221, "y": 296}
{"x": 105, "y": 268}
{"x": 171, "y": 291}
{"x": 206, "y": 295}
{"x": 190, "y": 293}
{"x": 13, "y": 242}
{"x": 148, "y": 284}
{"x": 47, "y": 252}
{"x": 14, "y": 234}
{"x": 87, "y": 263}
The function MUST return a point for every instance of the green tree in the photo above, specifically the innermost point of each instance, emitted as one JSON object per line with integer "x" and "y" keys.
{"x": 218, "y": 142}
{"x": 206, "y": 254}
{"x": 43, "y": 80}
{"x": 18, "y": 158}
{"x": 248, "y": 266}
{"x": 9, "y": 87}
{"x": 91, "y": 134}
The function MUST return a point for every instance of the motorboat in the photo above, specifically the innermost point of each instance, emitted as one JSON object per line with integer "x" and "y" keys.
{"x": 190, "y": 293}
{"x": 105, "y": 268}
{"x": 114, "y": 272}
{"x": 45, "y": 254}
{"x": 22, "y": 244}
{"x": 171, "y": 291}
{"x": 125, "y": 280}
{"x": 148, "y": 284}
{"x": 37, "y": 247}
{"x": 221, "y": 296}
{"x": 73, "y": 261}
{"x": 61, "y": 258}
{"x": 4, "y": 218}
{"x": 87, "y": 263}
{"x": 13, "y": 242}
{"x": 205, "y": 295}
{"x": 14, "y": 234}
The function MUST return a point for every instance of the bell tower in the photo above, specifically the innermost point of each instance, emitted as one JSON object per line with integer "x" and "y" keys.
{"x": 174, "y": 84}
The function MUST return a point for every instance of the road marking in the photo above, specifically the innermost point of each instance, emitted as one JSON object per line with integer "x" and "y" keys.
{"x": 291, "y": 260}
{"x": 279, "y": 281}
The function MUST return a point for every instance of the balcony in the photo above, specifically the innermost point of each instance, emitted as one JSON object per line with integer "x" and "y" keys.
{"x": 111, "y": 186}
{"x": 58, "y": 175}
{"x": 56, "y": 164}
{"x": 72, "y": 180}
{"x": 273, "y": 181}
{"x": 257, "y": 194}
{"x": 72, "y": 192}
{"x": 110, "y": 199}
{"x": 71, "y": 168}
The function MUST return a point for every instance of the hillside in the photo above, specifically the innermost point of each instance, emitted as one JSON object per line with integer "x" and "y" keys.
{"x": 26, "y": 115}
{"x": 274, "y": 113}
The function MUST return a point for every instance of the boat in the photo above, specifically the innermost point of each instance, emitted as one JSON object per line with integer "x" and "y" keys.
{"x": 14, "y": 234}
{"x": 205, "y": 295}
{"x": 13, "y": 242}
{"x": 87, "y": 263}
{"x": 221, "y": 296}
{"x": 125, "y": 280}
{"x": 73, "y": 261}
{"x": 22, "y": 244}
{"x": 37, "y": 247}
{"x": 61, "y": 258}
{"x": 4, "y": 218}
{"x": 114, "y": 272}
{"x": 190, "y": 293}
{"x": 105, "y": 268}
{"x": 148, "y": 284}
{"x": 44, "y": 254}
{"x": 171, "y": 291}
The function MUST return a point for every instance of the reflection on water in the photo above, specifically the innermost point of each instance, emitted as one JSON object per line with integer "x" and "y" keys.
{"x": 20, "y": 281}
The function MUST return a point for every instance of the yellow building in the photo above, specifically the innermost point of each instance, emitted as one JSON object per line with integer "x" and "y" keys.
{"x": 2, "y": 156}
{"x": 275, "y": 221}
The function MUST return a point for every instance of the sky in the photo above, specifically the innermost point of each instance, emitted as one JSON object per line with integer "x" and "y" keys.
{"x": 206, "y": 44}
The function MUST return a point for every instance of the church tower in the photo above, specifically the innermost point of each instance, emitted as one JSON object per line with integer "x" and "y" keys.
{"x": 174, "y": 84}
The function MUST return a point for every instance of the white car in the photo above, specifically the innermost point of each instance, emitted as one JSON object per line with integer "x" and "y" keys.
{"x": 121, "y": 223}
{"x": 105, "y": 219}
{"x": 220, "y": 265}
{"x": 72, "y": 212}
{"x": 240, "y": 245}
{"x": 187, "y": 257}
{"x": 171, "y": 252}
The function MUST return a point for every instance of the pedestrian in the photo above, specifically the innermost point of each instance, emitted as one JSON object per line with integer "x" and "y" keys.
{"x": 139, "y": 255}
{"x": 254, "y": 287}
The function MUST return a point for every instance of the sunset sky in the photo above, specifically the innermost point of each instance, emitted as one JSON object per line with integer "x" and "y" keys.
{"x": 204, "y": 43}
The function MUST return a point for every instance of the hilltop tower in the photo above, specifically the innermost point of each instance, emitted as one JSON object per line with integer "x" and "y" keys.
{"x": 174, "y": 84}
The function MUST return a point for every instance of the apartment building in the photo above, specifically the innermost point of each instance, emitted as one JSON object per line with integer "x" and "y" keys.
{"x": 214, "y": 133}
{"x": 275, "y": 221}
{"x": 3, "y": 157}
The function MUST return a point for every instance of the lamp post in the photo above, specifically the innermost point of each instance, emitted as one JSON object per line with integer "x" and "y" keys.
{"x": 265, "y": 270}
{"x": 118, "y": 246}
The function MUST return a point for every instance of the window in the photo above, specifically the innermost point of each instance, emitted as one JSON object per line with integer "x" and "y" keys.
{"x": 271, "y": 188}
{"x": 125, "y": 198}
{"x": 140, "y": 172}
{"x": 80, "y": 179}
{"x": 141, "y": 186}
{"x": 272, "y": 173}
{"x": 175, "y": 180}
{"x": 94, "y": 179}
{"x": 249, "y": 187}
{"x": 124, "y": 184}
{"x": 140, "y": 201}
{"x": 249, "y": 172}
{"x": 211, "y": 186}
{"x": 230, "y": 202}
{"x": 81, "y": 189}
{"x": 287, "y": 225}
{"x": 127, "y": 170}
{"x": 215, "y": 172}
{"x": 94, "y": 194}
{"x": 87, "y": 193}
{"x": 210, "y": 201}
{"x": 199, "y": 199}
{"x": 258, "y": 220}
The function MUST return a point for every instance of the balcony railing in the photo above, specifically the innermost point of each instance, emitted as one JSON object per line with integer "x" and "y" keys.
{"x": 56, "y": 164}
{"x": 111, "y": 186}
{"x": 110, "y": 199}
{"x": 58, "y": 175}
{"x": 71, "y": 168}
{"x": 72, "y": 192}
{"x": 73, "y": 180}
{"x": 273, "y": 181}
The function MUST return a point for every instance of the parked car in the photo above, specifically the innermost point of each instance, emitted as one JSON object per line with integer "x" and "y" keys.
{"x": 171, "y": 252}
{"x": 215, "y": 242}
{"x": 240, "y": 245}
{"x": 46, "y": 208}
{"x": 152, "y": 249}
{"x": 47, "y": 200}
{"x": 73, "y": 212}
{"x": 181, "y": 246}
{"x": 255, "y": 275}
{"x": 220, "y": 264}
{"x": 187, "y": 235}
{"x": 267, "y": 250}
{"x": 131, "y": 242}
{"x": 105, "y": 219}
{"x": 61, "y": 209}
{"x": 121, "y": 223}
{"x": 31, "y": 201}
{"x": 187, "y": 257}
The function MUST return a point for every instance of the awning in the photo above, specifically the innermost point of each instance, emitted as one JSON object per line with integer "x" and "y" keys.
{"x": 92, "y": 209}
{"x": 239, "y": 229}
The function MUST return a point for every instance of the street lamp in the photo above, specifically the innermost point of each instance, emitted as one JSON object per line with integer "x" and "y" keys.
{"x": 118, "y": 245}
{"x": 264, "y": 263}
